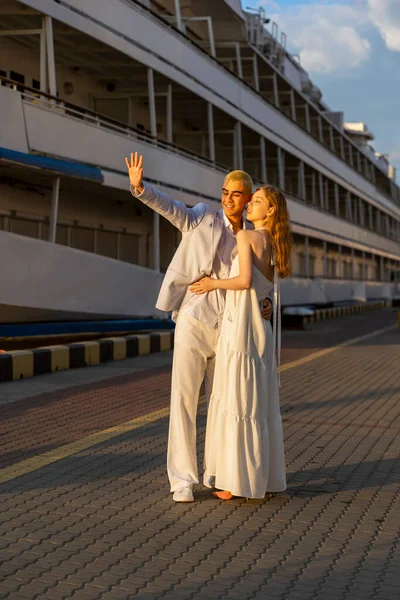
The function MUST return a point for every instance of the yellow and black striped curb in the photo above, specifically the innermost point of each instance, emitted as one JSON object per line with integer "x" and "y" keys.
{"x": 19, "y": 364}
{"x": 342, "y": 311}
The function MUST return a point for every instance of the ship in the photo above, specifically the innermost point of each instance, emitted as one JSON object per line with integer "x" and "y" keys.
{"x": 199, "y": 88}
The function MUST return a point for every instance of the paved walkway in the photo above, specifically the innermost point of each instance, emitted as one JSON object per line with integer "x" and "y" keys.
{"x": 86, "y": 512}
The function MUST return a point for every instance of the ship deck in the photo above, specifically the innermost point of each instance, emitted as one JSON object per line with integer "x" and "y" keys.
{"x": 87, "y": 513}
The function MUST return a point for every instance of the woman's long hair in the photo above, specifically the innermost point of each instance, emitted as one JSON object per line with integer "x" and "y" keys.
{"x": 278, "y": 228}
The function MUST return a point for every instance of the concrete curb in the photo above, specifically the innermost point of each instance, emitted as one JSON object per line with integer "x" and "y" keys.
{"x": 322, "y": 314}
{"x": 342, "y": 311}
{"x": 19, "y": 364}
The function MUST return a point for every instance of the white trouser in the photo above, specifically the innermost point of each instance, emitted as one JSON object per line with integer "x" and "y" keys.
{"x": 195, "y": 346}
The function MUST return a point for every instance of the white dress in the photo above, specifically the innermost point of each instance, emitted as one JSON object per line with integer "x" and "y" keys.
{"x": 244, "y": 450}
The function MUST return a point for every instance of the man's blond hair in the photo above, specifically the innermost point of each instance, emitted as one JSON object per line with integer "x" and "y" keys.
{"x": 241, "y": 176}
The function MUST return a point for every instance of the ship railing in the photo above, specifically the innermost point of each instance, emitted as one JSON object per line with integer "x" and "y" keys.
{"x": 327, "y": 210}
{"x": 54, "y": 104}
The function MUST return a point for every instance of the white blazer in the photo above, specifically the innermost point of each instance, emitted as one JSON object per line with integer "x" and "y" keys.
{"x": 201, "y": 228}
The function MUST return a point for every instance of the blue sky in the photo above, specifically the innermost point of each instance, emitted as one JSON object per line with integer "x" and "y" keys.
{"x": 351, "y": 49}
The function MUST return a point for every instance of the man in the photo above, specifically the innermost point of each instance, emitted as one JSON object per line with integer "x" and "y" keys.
{"x": 208, "y": 240}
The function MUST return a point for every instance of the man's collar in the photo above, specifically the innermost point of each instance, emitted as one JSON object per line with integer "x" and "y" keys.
{"x": 228, "y": 224}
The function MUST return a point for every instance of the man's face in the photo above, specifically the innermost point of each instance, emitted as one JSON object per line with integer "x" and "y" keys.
{"x": 234, "y": 198}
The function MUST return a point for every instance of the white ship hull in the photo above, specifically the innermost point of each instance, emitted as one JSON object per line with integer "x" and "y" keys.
{"x": 98, "y": 252}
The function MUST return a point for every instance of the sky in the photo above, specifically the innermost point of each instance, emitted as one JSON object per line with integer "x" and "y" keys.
{"x": 351, "y": 50}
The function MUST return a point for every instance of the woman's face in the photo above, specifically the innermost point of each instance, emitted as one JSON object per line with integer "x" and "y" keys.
{"x": 259, "y": 207}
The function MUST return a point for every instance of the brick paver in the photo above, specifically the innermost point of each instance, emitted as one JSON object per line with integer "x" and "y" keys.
{"x": 101, "y": 524}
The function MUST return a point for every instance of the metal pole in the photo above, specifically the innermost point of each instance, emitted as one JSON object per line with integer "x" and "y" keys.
{"x": 348, "y": 206}
{"x": 281, "y": 168}
{"x": 50, "y": 55}
{"x": 324, "y": 258}
{"x": 238, "y": 60}
{"x": 293, "y": 104}
{"x": 361, "y": 216}
{"x": 255, "y": 73}
{"x": 313, "y": 188}
{"x": 307, "y": 113}
{"x": 307, "y": 255}
{"x": 321, "y": 190}
{"x": 340, "y": 265}
{"x": 43, "y": 58}
{"x": 239, "y": 148}
{"x": 320, "y": 129}
{"x": 337, "y": 207}
{"x": 55, "y": 192}
{"x": 153, "y": 129}
{"x": 353, "y": 263}
{"x": 358, "y": 161}
{"x": 156, "y": 241}
{"x": 178, "y": 15}
{"x": 263, "y": 154}
{"x": 373, "y": 178}
{"x": 351, "y": 158}
{"x": 301, "y": 184}
{"x": 332, "y": 141}
{"x": 211, "y": 140}
{"x": 169, "y": 114}
{"x": 211, "y": 37}
{"x": 152, "y": 102}
{"x": 327, "y": 194}
{"x": 364, "y": 266}
{"x": 276, "y": 91}
{"x": 341, "y": 147}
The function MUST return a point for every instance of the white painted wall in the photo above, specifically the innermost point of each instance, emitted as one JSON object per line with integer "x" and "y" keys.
{"x": 301, "y": 290}
{"x": 12, "y": 126}
{"x": 56, "y": 133}
{"x": 52, "y": 277}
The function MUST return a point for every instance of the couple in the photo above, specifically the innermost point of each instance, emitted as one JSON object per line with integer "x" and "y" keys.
{"x": 217, "y": 287}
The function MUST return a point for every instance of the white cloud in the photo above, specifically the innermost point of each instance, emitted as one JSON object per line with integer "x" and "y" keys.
{"x": 385, "y": 15}
{"x": 327, "y": 37}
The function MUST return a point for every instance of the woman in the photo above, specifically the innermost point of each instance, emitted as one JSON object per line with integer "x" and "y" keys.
{"x": 244, "y": 452}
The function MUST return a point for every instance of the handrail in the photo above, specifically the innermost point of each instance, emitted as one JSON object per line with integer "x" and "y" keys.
{"x": 109, "y": 120}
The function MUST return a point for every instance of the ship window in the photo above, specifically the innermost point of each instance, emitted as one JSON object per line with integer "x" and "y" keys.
{"x": 3, "y": 74}
{"x": 36, "y": 84}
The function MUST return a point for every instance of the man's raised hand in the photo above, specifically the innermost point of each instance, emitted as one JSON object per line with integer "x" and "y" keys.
{"x": 135, "y": 170}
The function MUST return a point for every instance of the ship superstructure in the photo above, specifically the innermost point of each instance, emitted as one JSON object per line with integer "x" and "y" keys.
{"x": 199, "y": 88}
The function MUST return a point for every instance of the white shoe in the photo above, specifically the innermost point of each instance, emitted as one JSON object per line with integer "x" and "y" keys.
{"x": 183, "y": 494}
